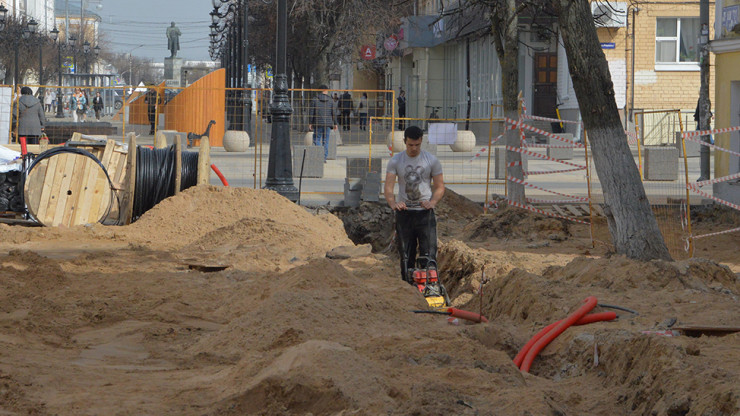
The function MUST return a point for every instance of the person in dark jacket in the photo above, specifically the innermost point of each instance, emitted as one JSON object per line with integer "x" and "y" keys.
{"x": 323, "y": 119}
{"x": 152, "y": 98}
{"x": 346, "y": 105}
{"x": 97, "y": 103}
{"x": 31, "y": 118}
{"x": 402, "y": 110}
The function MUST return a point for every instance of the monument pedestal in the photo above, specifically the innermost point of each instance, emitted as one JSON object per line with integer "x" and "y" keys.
{"x": 173, "y": 70}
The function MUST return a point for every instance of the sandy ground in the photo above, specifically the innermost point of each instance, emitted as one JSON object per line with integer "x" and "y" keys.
{"x": 223, "y": 302}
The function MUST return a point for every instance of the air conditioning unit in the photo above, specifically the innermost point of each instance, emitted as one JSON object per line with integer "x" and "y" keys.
{"x": 609, "y": 13}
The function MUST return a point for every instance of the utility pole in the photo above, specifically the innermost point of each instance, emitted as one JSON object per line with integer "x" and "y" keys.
{"x": 704, "y": 104}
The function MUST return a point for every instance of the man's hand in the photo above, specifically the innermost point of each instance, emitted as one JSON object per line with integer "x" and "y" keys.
{"x": 428, "y": 204}
{"x": 399, "y": 206}
{"x": 310, "y": 127}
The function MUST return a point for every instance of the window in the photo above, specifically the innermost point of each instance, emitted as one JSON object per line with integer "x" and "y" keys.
{"x": 676, "y": 43}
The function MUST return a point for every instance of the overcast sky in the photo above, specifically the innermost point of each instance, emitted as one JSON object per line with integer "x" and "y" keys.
{"x": 129, "y": 24}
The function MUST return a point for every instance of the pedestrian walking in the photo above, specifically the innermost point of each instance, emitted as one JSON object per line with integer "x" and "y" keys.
{"x": 401, "y": 109}
{"x": 420, "y": 188}
{"x": 347, "y": 106}
{"x": 362, "y": 111}
{"x": 97, "y": 105}
{"x": 78, "y": 105}
{"x": 53, "y": 100}
{"x": 31, "y": 119}
{"x": 47, "y": 101}
{"x": 322, "y": 119}
{"x": 151, "y": 99}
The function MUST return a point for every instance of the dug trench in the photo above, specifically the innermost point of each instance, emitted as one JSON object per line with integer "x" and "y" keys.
{"x": 113, "y": 320}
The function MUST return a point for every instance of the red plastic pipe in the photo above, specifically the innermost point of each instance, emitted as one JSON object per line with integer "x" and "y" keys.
{"x": 470, "y": 316}
{"x": 220, "y": 175}
{"x": 538, "y": 346}
{"x": 588, "y": 319}
{"x": 24, "y": 148}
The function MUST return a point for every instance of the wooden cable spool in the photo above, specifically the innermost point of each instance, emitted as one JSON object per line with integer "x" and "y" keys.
{"x": 67, "y": 189}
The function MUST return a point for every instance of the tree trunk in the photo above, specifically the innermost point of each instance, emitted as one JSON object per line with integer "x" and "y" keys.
{"x": 632, "y": 224}
{"x": 506, "y": 36}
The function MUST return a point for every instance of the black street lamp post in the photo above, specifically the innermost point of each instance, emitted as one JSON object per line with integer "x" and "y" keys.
{"x": 229, "y": 41}
{"x": 60, "y": 105}
{"x": 280, "y": 167}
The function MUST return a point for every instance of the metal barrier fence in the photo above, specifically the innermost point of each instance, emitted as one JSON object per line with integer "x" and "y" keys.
{"x": 664, "y": 169}
{"x": 367, "y": 132}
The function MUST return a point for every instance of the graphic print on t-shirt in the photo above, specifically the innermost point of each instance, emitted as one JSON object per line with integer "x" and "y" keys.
{"x": 413, "y": 180}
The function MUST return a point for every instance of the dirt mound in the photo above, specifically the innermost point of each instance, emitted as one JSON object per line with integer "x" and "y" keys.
{"x": 184, "y": 219}
{"x": 715, "y": 214}
{"x": 620, "y": 274}
{"x": 373, "y": 222}
{"x": 511, "y": 222}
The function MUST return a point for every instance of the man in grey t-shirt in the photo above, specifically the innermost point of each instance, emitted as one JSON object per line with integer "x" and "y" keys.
{"x": 420, "y": 187}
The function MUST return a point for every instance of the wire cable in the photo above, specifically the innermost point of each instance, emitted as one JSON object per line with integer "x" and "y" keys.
{"x": 155, "y": 176}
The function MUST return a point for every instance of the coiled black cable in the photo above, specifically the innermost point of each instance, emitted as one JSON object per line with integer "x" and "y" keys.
{"x": 155, "y": 176}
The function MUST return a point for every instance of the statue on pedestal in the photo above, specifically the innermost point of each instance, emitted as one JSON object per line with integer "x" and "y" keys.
{"x": 173, "y": 39}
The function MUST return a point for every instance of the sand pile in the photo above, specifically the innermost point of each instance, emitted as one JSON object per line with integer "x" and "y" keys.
{"x": 206, "y": 212}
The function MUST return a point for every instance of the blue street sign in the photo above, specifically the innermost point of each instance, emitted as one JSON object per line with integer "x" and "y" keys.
{"x": 607, "y": 45}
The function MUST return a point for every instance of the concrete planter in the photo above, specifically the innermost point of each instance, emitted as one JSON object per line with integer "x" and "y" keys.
{"x": 236, "y": 141}
{"x": 465, "y": 141}
{"x": 395, "y": 141}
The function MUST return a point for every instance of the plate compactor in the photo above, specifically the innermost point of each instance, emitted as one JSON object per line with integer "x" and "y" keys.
{"x": 426, "y": 279}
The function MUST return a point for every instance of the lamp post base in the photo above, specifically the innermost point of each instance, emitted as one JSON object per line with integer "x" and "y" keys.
{"x": 288, "y": 190}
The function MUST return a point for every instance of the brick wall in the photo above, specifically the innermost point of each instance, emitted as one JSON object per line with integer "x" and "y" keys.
{"x": 655, "y": 89}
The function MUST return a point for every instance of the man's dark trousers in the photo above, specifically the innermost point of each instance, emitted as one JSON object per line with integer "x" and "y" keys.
{"x": 415, "y": 227}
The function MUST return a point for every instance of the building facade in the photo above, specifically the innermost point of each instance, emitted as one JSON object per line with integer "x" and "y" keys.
{"x": 651, "y": 48}
{"x": 726, "y": 48}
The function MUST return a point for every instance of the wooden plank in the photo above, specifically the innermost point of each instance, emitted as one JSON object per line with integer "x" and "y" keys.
{"x": 110, "y": 145}
{"x": 204, "y": 162}
{"x": 160, "y": 140}
{"x": 72, "y": 192}
{"x": 100, "y": 196}
{"x": 178, "y": 164}
{"x": 76, "y": 137}
{"x": 64, "y": 183}
{"x": 79, "y": 193}
{"x": 560, "y": 211}
{"x": 573, "y": 210}
{"x": 130, "y": 182}
{"x": 40, "y": 208}
{"x": 35, "y": 183}
{"x": 598, "y": 210}
{"x": 56, "y": 187}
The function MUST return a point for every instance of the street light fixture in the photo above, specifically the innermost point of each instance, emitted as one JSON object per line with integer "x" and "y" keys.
{"x": 3, "y": 15}
{"x": 229, "y": 43}
{"x": 60, "y": 105}
{"x": 279, "y": 165}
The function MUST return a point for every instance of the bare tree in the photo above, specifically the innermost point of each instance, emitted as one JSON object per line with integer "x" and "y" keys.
{"x": 322, "y": 33}
{"x": 632, "y": 225}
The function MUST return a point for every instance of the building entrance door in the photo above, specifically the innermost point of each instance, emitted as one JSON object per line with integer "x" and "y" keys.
{"x": 545, "y": 84}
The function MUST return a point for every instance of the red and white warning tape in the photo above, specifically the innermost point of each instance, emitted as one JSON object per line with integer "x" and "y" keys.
{"x": 547, "y": 172}
{"x": 485, "y": 149}
{"x": 525, "y": 126}
{"x": 549, "y": 214}
{"x": 631, "y": 137}
{"x": 718, "y": 180}
{"x": 541, "y": 156}
{"x": 708, "y": 132}
{"x": 703, "y": 143}
{"x": 554, "y": 120}
{"x": 733, "y": 230}
{"x": 549, "y": 146}
{"x": 550, "y": 201}
{"x": 521, "y": 182}
{"x": 696, "y": 189}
